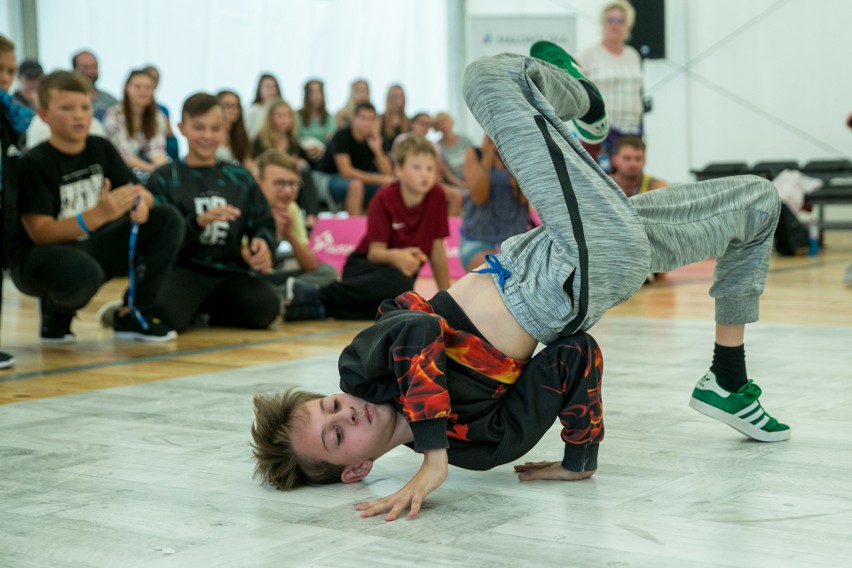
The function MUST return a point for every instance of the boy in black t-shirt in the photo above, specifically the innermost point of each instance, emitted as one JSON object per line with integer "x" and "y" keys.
{"x": 355, "y": 161}
{"x": 77, "y": 218}
{"x": 230, "y": 231}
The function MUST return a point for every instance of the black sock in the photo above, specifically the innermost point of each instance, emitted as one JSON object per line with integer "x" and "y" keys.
{"x": 596, "y": 104}
{"x": 729, "y": 367}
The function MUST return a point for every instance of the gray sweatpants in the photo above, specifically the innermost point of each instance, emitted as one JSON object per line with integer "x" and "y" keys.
{"x": 596, "y": 247}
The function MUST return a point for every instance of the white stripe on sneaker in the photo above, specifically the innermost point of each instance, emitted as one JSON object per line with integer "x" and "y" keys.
{"x": 763, "y": 421}
{"x": 747, "y": 410}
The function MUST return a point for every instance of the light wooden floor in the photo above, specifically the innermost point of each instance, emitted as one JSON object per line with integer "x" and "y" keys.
{"x": 136, "y": 455}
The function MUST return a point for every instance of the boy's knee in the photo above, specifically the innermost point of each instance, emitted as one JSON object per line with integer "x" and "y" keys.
{"x": 356, "y": 186}
{"x": 166, "y": 221}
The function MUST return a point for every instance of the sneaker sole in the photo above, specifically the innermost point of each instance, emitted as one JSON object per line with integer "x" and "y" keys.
{"x": 738, "y": 424}
{"x": 8, "y": 363}
{"x": 135, "y": 336}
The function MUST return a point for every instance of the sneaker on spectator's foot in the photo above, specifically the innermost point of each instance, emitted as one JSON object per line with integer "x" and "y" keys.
{"x": 740, "y": 410}
{"x": 106, "y": 313}
{"x": 595, "y": 131}
{"x": 55, "y": 326}
{"x": 298, "y": 292}
{"x": 304, "y": 312}
{"x": 130, "y": 327}
{"x": 6, "y": 360}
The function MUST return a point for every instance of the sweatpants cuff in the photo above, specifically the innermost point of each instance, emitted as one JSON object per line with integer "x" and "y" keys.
{"x": 581, "y": 458}
{"x": 736, "y": 311}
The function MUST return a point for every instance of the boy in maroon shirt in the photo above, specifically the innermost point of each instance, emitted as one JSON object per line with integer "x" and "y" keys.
{"x": 406, "y": 225}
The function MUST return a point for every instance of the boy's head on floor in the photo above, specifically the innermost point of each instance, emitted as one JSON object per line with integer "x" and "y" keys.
{"x": 202, "y": 123}
{"x": 279, "y": 178}
{"x": 304, "y": 438}
{"x": 416, "y": 166}
{"x": 65, "y": 105}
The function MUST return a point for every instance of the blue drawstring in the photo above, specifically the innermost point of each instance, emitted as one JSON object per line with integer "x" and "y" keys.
{"x": 131, "y": 272}
{"x": 494, "y": 267}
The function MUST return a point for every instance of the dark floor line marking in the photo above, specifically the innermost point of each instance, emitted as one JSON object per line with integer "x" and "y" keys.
{"x": 172, "y": 355}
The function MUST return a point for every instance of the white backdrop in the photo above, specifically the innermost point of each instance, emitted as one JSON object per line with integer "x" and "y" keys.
{"x": 743, "y": 79}
{"x": 214, "y": 44}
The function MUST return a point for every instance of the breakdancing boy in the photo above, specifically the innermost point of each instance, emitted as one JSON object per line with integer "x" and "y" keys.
{"x": 453, "y": 378}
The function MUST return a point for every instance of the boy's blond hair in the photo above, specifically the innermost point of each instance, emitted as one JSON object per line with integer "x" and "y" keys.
{"x": 277, "y": 463}
{"x": 275, "y": 157}
{"x": 6, "y": 44}
{"x": 70, "y": 81}
{"x": 412, "y": 145}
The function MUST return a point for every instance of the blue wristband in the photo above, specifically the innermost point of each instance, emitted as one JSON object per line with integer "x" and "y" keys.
{"x": 82, "y": 224}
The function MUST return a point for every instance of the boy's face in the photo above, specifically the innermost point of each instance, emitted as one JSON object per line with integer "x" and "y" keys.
{"x": 69, "y": 114}
{"x": 344, "y": 430}
{"x": 8, "y": 69}
{"x": 364, "y": 123}
{"x": 629, "y": 161}
{"x": 203, "y": 133}
{"x": 421, "y": 125}
{"x": 418, "y": 174}
{"x": 280, "y": 186}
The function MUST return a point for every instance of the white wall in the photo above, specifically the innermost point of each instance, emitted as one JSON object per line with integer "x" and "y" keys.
{"x": 213, "y": 44}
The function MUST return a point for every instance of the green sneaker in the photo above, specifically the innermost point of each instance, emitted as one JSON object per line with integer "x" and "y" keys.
{"x": 740, "y": 410}
{"x": 591, "y": 133}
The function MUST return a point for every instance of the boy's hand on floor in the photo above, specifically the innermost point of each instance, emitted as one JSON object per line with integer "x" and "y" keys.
{"x": 530, "y": 471}
{"x": 431, "y": 475}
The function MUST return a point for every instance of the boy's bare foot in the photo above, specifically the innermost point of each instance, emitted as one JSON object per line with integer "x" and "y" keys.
{"x": 530, "y": 471}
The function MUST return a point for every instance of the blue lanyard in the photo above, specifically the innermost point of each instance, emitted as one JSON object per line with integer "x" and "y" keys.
{"x": 131, "y": 271}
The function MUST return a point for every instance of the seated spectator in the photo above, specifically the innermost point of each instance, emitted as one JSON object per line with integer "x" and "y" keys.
{"x": 86, "y": 63}
{"x": 39, "y": 131}
{"x": 216, "y": 273}
{"x": 14, "y": 117}
{"x": 267, "y": 91}
{"x": 279, "y": 133}
{"x": 171, "y": 140}
{"x": 453, "y": 148}
{"x": 136, "y": 127}
{"x": 280, "y": 181}
{"x": 394, "y": 121}
{"x": 494, "y": 209}
{"x": 314, "y": 124}
{"x": 406, "y": 225}
{"x": 359, "y": 92}
{"x": 76, "y": 217}
{"x": 235, "y": 146}
{"x": 29, "y": 73}
{"x": 628, "y": 161}
{"x": 421, "y": 123}
{"x": 355, "y": 166}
